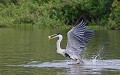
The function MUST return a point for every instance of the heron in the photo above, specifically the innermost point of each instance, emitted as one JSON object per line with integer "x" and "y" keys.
{"x": 78, "y": 38}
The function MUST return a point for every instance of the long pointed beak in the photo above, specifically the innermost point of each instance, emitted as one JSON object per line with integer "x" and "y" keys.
{"x": 52, "y": 36}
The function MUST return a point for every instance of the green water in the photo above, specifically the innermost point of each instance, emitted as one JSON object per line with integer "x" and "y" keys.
{"x": 26, "y": 46}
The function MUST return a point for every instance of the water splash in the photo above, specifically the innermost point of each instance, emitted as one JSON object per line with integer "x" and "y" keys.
{"x": 99, "y": 54}
{"x": 89, "y": 64}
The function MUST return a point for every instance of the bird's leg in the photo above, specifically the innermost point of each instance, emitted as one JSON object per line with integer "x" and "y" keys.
{"x": 79, "y": 61}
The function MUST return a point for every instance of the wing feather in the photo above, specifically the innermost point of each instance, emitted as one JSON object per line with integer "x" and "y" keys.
{"x": 88, "y": 35}
{"x": 78, "y": 37}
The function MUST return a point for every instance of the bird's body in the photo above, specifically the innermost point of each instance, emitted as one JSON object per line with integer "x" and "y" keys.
{"x": 78, "y": 37}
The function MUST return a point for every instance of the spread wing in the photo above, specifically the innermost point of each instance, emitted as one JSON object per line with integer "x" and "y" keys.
{"x": 78, "y": 37}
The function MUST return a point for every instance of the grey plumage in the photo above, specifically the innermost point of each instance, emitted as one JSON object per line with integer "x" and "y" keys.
{"x": 78, "y": 37}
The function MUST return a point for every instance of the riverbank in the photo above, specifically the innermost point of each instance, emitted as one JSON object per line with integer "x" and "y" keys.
{"x": 59, "y": 27}
{"x": 59, "y": 13}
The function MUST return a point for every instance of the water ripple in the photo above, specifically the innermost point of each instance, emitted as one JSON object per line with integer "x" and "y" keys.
{"x": 89, "y": 64}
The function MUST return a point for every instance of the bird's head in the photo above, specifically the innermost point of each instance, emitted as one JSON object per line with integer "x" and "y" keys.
{"x": 55, "y": 35}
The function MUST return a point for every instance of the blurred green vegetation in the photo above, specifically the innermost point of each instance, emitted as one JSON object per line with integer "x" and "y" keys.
{"x": 56, "y": 13}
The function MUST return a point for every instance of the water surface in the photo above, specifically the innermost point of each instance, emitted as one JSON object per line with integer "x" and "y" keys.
{"x": 29, "y": 52}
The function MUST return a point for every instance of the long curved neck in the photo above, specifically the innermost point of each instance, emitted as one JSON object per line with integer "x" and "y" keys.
{"x": 58, "y": 42}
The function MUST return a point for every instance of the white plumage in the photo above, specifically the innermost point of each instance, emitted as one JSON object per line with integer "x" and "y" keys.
{"x": 78, "y": 37}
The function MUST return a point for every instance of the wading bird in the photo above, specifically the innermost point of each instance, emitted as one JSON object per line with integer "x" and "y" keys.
{"x": 78, "y": 37}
